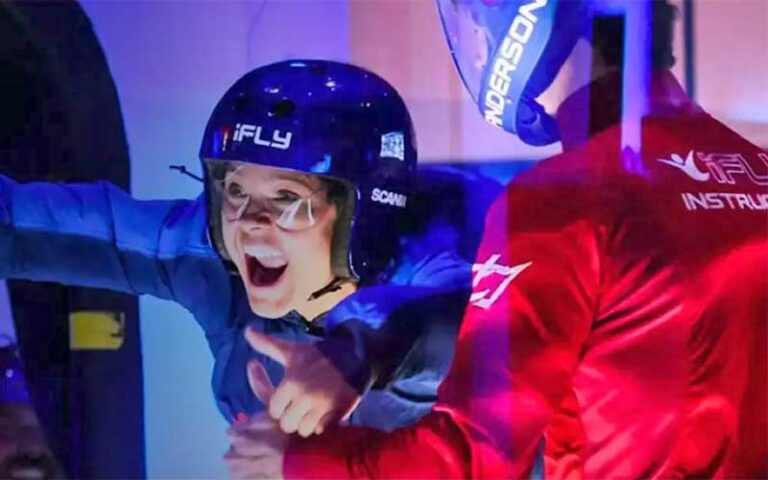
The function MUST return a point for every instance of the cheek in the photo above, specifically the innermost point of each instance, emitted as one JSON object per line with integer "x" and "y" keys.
{"x": 310, "y": 250}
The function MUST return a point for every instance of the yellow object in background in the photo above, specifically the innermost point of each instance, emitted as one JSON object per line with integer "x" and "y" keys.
{"x": 96, "y": 330}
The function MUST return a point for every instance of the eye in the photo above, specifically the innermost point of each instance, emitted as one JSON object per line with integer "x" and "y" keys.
{"x": 235, "y": 191}
{"x": 286, "y": 197}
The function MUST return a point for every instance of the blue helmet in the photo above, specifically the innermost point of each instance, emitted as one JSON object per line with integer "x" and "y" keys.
{"x": 337, "y": 121}
{"x": 508, "y": 52}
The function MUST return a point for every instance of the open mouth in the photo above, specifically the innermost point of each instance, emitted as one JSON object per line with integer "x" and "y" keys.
{"x": 265, "y": 266}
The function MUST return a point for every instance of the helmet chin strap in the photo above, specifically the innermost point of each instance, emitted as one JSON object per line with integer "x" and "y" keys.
{"x": 333, "y": 286}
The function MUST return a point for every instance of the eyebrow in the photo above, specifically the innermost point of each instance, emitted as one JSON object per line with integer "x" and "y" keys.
{"x": 280, "y": 175}
{"x": 235, "y": 170}
{"x": 296, "y": 177}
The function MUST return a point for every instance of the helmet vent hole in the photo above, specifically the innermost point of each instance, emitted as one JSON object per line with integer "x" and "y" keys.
{"x": 240, "y": 103}
{"x": 282, "y": 108}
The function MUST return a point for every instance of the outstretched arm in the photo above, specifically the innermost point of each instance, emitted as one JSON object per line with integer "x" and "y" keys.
{"x": 96, "y": 235}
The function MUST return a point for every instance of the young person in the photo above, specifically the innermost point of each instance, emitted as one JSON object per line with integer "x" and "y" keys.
{"x": 307, "y": 166}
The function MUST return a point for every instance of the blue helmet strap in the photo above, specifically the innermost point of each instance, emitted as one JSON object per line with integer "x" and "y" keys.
{"x": 502, "y": 96}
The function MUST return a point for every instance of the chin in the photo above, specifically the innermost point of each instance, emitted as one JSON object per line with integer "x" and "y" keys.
{"x": 269, "y": 309}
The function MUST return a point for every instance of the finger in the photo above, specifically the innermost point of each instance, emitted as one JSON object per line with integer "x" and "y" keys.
{"x": 237, "y": 442}
{"x": 282, "y": 398}
{"x": 295, "y": 413}
{"x": 250, "y": 468}
{"x": 261, "y": 385}
{"x": 311, "y": 422}
{"x": 327, "y": 419}
{"x": 257, "y": 425}
{"x": 239, "y": 467}
{"x": 236, "y": 436}
{"x": 278, "y": 350}
{"x": 231, "y": 453}
{"x": 247, "y": 444}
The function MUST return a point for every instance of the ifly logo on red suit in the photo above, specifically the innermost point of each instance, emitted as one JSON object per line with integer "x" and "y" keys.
{"x": 723, "y": 169}
{"x": 495, "y": 279}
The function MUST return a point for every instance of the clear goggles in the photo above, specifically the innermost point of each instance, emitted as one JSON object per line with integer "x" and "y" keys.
{"x": 289, "y": 208}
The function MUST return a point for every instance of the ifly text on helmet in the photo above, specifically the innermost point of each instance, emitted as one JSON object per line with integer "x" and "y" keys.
{"x": 281, "y": 142}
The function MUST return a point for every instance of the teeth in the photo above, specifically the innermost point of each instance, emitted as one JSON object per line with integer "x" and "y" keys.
{"x": 262, "y": 252}
{"x": 269, "y": 257}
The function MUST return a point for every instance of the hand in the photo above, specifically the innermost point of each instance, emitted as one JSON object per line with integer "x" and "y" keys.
{"x": 312, "y": 394}
{"x": 257, "y": 447}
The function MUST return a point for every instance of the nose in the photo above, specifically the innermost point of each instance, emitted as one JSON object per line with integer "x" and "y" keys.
{"x": 256, "y": 215}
